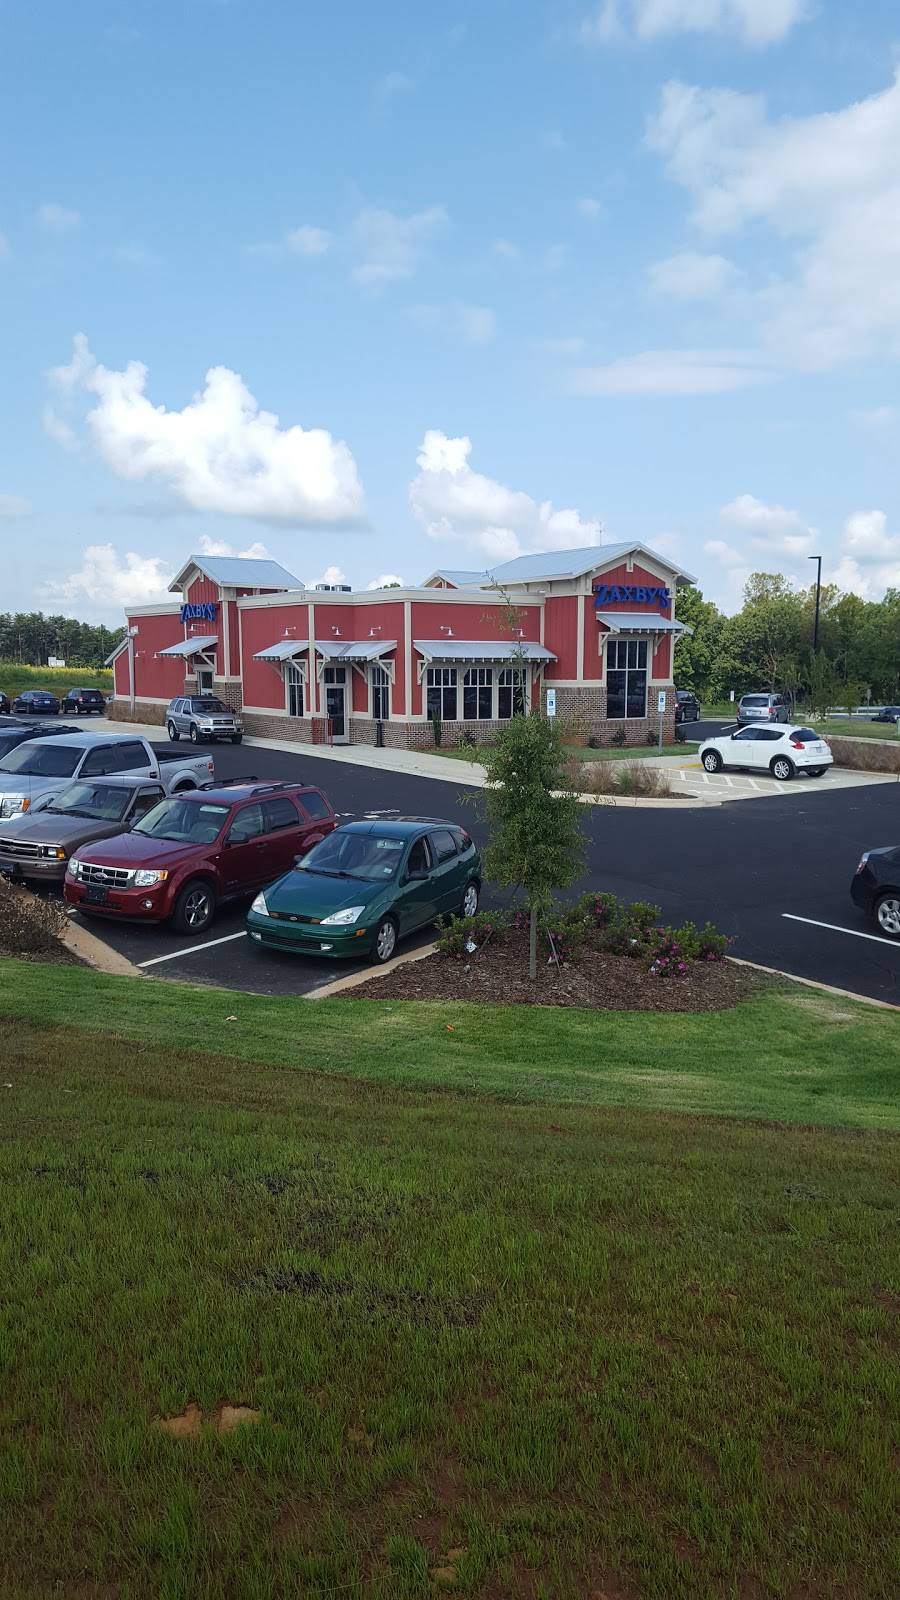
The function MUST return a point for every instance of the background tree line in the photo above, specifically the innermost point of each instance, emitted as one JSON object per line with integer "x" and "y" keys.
{"x": 768, "y": 644}
{"x": 29, "y": 638}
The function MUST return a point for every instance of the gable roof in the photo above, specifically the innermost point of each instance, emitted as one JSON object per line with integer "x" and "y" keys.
{"x": 556, "y": 564}
{"x": 237, "y": 572}
{"x": 461, "y": 580}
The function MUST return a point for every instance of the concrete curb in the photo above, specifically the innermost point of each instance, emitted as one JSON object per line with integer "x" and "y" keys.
{"x": 95, "y": 953}
{"x": 355, "y": 979}
{"x": 812, "y": 983}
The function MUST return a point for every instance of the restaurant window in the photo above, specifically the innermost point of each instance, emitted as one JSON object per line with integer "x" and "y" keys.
{"x": 626, "y": 678}
{"x": 478, "y": 694}
{"x": 511, "y": 692}
{"x": 440, "y": 700}
{"x": 294, "y": 680}
{"x": 381, "y": 691}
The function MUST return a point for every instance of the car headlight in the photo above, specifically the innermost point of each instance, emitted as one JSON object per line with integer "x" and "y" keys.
{"x": 12, "y": 804}
{"x": 53, "y": 852}
{"x": 259, "y": 905}
{"x": 342, "y": 919}
{"x": 144, "y": 879}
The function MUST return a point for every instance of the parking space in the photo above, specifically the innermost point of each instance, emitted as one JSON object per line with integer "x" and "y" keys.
{"x": 690, "y": 776}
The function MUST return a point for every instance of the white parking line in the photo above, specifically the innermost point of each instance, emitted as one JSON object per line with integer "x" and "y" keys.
{"x": 191, "y": 949}
{"x": 835, "y": 927}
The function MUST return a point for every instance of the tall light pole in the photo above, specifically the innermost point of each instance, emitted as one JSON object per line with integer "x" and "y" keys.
{"x": 818, "y": 597}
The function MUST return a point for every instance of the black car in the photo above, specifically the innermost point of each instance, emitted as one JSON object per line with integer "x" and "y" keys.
{"x": 78, "y": 700}
{"x": 687, "y": 706}
{"x": 4, "y": 704}
{"x": 36, "y": 701}
{"x": 876, "y": 888}
{"x": 887, "y": 714}
{"x": 13, "y": 733}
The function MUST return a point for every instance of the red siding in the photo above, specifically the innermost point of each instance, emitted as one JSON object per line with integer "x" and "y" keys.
{"x": 261, "y": 626}
{"x": 202, "y": 589}
{"x": 561, "y": 635}
{"x": 638, "y": 577}
{"x": 120, "y": 676}
{"x": 662, "y": 659}
{"x": 234, "y": 638}
{"x": 485, "y": 620}
{"x": 355, "y": 622}
{"x": 157, "y": 677}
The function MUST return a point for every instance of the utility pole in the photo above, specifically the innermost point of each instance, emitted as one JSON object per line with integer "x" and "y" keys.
{"x": 818, "y": 598}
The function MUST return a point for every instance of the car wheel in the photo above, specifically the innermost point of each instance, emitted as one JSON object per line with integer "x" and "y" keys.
{"x": 782, "y": 769}
{"x": 712, "y": 761}
{"x": 887, "y": 914}
{"x": 173, "y": 733}
{"x": 236, "y": 738}
{"x": 195, "y": 736}
{"x": 385, "y": 941}
{"x": 469, "y": 904}
{"x": 195, "y": 907}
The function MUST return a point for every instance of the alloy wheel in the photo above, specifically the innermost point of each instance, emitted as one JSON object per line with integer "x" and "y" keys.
{"x": 197, "y": 908}
{"x": 782, "y": 769}
{"x": 385, "y": 941}
{"x": 888, "y": 915}
{"x": 470, "y": 901}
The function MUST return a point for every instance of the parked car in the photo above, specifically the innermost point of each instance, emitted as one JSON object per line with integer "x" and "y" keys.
{"x": 887, "y": 714}
{"x": 687, "y": 706}
{"x": 14, "y": 732}
{"x": 875, "y": 888}
{"x": 768, "y": 707}
{"x": 779, "y": 749}
{"x": 36, "y": 702}
{"x": 5, "y": 707}
{"x": 41, "y": 767}
{"x": 368, "y": 885}
{"x": 38, "y": 844}
{"x": 194, "y": 851}
{"x": 88, "y": 700}
{"x": 200, "y": 717}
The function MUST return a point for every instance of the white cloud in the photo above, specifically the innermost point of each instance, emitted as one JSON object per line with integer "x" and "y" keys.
{"x": 331, "y": 575}
{"x": 691, "y": 276}
{"x": 876, "y": 417}
{"x": 670, "y": 372}
{"x": 107, "y": 581}
{"x": 726, "y": 553}
{"x": 827, "y": 185}
{"x": 774, "y": 527}
{"x": 14, "y": 505}
{"x": 55, "y": 218}
{"x": 589, "y": 208}
{"x": 390, "y": 247}
{"x": 755, "y": 22}
{"x": 475, "y": 324}
{"x": 870, "y": 556}
{"x": 387, "y": 579}
{"x": 220, "y": 547}
{"x": 57, "y": 429}
{"x": 220, "y": 452}
{"x": 453, "y": 502}
{"x": 309, "y": 241}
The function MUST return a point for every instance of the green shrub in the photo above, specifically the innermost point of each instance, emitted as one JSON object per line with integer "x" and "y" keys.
{"x": 463, "y": 931}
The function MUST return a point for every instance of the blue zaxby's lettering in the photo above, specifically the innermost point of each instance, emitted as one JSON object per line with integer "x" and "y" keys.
{"x": 610, "y": 593}
{"x": 203, "y": 611}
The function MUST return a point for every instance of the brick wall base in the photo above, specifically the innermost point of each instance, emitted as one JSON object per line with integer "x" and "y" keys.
{"x": 584, "y": 710}
{"x": 120, "y": 711}
{"x": 297, "y": 730}
{"x": 229, "y": 693}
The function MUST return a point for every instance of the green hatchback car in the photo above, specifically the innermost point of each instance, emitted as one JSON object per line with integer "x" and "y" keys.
{"x": 366, "y": 886}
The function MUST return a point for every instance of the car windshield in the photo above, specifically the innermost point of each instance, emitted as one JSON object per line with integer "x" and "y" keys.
{"x": 43, "y": 760}
{"x": 370, "y": 856}
{"x": 184, "y": 821}
{"x": 103, "y": 802}
{"x": 207, "y": 702}
{"x": 755, "y": 700}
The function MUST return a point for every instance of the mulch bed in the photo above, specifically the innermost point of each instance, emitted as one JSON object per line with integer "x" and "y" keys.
{"x": 497, "y": 974}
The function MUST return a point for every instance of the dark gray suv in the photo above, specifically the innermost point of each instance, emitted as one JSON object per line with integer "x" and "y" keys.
{"x": 765, "y": 708}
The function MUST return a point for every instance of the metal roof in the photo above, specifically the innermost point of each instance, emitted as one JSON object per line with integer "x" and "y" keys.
{"x": 281, "y": 650}
{"x": 238, "y": 572}
{"x": 192, "y": 646}
{"x": 640, "y": 622}
{"x": 463, "y": 580}
{"x": 482, "y": 650}
{"x": 561, "y": 564}
{"x": 354, "y": 649}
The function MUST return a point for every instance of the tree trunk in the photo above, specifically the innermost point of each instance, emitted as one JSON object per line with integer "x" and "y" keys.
{"x": 532, "y": 945}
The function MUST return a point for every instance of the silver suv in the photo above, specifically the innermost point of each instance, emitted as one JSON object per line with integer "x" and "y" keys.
{"x": 202, "y": 717}
{"x": 765, "y": 708}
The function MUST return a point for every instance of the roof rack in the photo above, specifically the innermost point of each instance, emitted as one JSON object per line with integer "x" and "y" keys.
{"x": 227, "y": 783}
{"x": 259, "y": 787}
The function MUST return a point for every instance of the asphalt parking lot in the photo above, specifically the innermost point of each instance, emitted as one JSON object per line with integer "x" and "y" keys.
{"x": 775, "y": 877}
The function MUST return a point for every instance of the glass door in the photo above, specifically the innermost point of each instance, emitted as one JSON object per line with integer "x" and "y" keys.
{"x": 335, "y": 679}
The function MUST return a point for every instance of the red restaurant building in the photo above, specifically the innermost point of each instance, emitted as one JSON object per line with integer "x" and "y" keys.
{"x": 592, "y": 629}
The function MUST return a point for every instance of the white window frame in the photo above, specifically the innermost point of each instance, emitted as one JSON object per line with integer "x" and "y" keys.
{"x": 612, "y": 644}
{"x": 379, "y": 685}
{"x": 443, "y": 679}
{"x": 506, "y": 679}
{"x": 294, "y": 677}
{"x": 483, "y": 678}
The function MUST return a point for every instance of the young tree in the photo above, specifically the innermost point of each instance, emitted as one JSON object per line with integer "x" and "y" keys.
{"x": 697, "y": 652}
{"x": 536, "y": 841}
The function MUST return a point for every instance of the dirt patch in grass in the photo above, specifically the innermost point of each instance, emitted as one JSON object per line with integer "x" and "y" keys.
{"x": 190, "y": 1422}
{"x": 594, "y": 980}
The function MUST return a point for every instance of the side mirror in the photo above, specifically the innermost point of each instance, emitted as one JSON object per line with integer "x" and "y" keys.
{"x": 417, "y": 876}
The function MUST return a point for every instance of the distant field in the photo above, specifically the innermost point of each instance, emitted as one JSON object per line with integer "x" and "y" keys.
{"x": 858, "y": 728}
{"x": 15, "y": 679}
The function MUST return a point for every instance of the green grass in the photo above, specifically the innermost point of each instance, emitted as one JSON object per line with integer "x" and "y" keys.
{"x": 858, "y": 728}
{"x": 15, "y": 679}
{"x": 592, "y": 1352}
{"x": 585, "y": 753}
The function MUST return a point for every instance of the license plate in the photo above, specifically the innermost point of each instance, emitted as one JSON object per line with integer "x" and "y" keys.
{"x": 95, "y": 895}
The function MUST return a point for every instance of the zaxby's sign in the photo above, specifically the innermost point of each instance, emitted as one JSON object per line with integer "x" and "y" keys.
{"x": 610, "y": 594}
{"x": 204, "y": 611}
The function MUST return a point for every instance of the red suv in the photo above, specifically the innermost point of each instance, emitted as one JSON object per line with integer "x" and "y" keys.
{"x": 196, "y": 849}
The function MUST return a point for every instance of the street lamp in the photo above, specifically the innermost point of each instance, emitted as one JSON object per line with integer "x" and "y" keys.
{"x": 818, "y": 596}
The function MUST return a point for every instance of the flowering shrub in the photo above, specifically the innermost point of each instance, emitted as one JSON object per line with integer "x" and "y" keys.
{"x": 675, "y": 948}
{"x": 464, "y": 931}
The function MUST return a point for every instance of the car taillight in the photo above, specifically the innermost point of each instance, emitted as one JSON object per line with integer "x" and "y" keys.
{"x": 862, "y": 861}
{"x": 797, "y": 744}
{"x": 210, "y": 767}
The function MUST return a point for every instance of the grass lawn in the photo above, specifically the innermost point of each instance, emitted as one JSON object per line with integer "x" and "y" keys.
{"x": 584, "y": 753}
{"x": 499, "y": 1346}
{"x": 858, "y": 728}
{"x": 15, "y": 679}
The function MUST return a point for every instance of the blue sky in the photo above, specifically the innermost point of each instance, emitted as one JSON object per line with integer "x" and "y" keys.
{"x": 432, "y": 287}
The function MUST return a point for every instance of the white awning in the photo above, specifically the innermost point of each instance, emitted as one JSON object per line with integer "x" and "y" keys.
{"x": 191, "y": 647}
{"x": 282, "y": 650}
{"x": 354, "y": 649}
{"x": 482, "y": 650}
{"x": 640, "y": 622}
